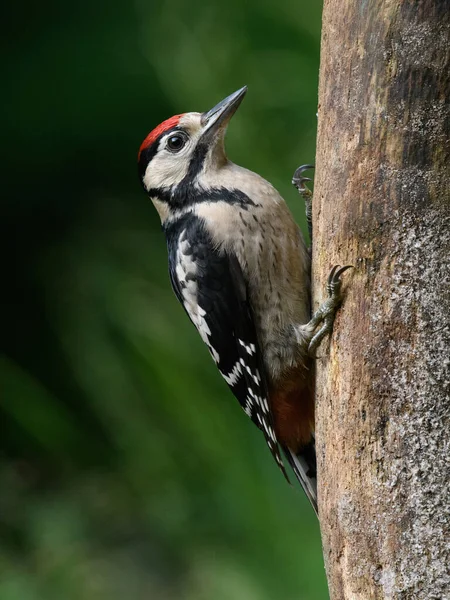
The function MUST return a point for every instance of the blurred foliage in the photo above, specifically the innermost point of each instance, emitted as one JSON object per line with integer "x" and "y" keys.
{"x": 127, "y": 469}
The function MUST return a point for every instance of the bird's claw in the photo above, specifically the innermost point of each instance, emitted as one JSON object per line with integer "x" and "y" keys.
{"x": 334, "y": 282}
{"x": 326, "y": 312}
{"x": 298, "y": 180}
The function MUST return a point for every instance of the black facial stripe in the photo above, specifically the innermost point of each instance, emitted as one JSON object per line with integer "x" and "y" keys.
{"x": 196, "y": 163}
{"x": 187, "y": 194}
{"x": 198, "y": 158}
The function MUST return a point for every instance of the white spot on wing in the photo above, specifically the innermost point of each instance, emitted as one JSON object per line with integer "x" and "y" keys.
{"x": 233, "y": 377}
{"x": 254, "y": 405}
{"x": 250, "y": 348}
{"x": 248, "y": 406}
{"x": 186, "y": 270}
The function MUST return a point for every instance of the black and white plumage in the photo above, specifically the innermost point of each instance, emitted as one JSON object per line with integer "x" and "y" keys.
{"x": 211, "y": 287}
{"x": 240, "y": 268}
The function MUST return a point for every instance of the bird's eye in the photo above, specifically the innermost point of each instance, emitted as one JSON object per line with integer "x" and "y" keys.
{"x": 176, "y": 142}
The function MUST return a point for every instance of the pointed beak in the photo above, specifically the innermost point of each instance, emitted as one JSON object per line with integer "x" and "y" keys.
{"x": 222, "y": 112}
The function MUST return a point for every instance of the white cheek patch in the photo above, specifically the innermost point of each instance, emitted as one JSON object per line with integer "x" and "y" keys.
{"x": 165, "y": 170}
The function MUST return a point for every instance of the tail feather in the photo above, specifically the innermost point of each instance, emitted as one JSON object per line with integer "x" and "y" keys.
{"x": 304, "y": 466}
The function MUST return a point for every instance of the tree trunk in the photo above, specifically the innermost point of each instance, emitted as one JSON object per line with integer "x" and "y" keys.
{"x": 382, "y": 203}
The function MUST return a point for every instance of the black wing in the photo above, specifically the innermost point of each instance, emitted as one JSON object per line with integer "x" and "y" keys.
{"x": 211, "y": 287}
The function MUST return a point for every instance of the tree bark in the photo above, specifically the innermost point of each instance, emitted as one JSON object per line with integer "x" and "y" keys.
{"x": 382, "y": 204}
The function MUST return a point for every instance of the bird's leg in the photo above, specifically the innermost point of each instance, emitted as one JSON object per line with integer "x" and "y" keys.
{"x": 322, "y": 320}
{"x": 311, "y": 334}
{"x": 300, "y": 183}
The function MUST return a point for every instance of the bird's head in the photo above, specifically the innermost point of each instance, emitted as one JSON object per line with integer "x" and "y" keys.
{"x": 174, "y": 154}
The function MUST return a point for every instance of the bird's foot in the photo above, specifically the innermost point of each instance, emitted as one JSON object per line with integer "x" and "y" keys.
{"x": 323, "y": 319}
{"x": 299, "y": 181}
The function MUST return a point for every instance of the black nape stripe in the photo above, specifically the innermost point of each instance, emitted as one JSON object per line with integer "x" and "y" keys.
{"x": 188, "y": 194}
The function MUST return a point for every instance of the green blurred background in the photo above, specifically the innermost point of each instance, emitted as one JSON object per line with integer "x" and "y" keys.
{"x": 127, "y": 468}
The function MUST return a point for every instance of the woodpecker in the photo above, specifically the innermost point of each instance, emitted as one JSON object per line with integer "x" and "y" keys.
{"x": 239, "y": 266}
